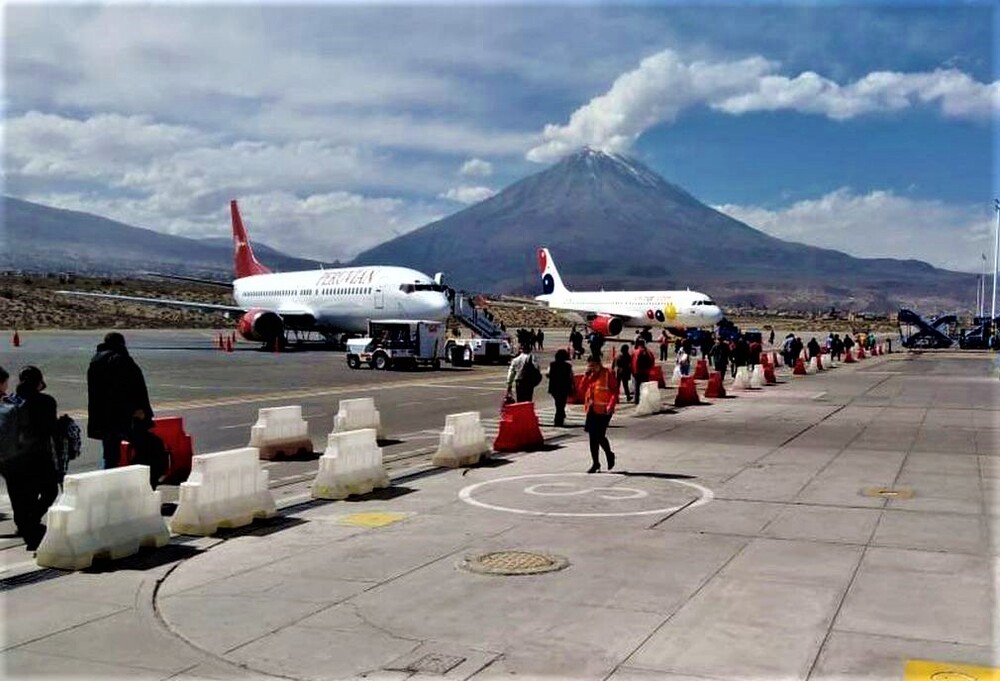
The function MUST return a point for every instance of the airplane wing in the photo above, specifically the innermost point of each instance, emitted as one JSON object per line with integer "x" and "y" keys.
{"x": 196, "y": 280}
{"x": 205, "y": 307}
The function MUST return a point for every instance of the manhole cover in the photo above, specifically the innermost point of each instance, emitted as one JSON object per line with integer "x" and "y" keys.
{"x": 888, "y": 492}
{"x": 514, "y": 563}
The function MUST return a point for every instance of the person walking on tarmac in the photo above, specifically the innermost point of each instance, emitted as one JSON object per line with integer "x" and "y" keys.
{"x": 664, "y": 345}
{"x": 523, "y": 375}
{"x": 600, "y": 399}
{"x": 642, "y": 365}
{"x": 560, "y": 385}
{"x": 720, "y": 356}
{"x": 541, "y": 339}
{"x": 116, "y": 396}
{"x": 30, "y": 472}
{"x": 623, "y": 370}
{"x": 813, "y": 347}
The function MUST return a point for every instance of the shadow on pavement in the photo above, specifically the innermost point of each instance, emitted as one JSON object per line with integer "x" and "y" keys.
{"x": 660, "y": 476}
{"x": 146, "y": 559}
{"x": 384, "y": 494}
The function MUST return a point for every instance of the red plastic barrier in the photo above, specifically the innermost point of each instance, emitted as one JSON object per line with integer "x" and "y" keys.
{"x": 769, "y": 378}
{"x": 800, "y": 368}
{"x": 179, "y": 446}
{"x": 656, "y": 374}
{"x": 16, "y": 340}
{"x": 519, "y": 429}
{"x": 701, "y": 370}
{"x": 848, "y": 357}
{"x": 687, "y": 393}
{"x": 819, "y": 363}
{"x": 715, "y": 387}
{"x": 861, "y": 352}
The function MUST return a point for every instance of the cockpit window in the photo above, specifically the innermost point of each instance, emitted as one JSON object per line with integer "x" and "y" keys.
{"x": 406, "y": 288}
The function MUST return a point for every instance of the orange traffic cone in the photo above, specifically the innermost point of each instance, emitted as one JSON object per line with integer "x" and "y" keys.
{"x": 800, "y": 368}
{"x": 769, "y": 378}
{"x": 715, "y": 387}
{"x": 861, "y": 352}
{"x": 701, "y": 370}
{"x": 229, "y": 345}
{"x": 848, "y": 357}
{"x": 16, "y": 340}
{"x": 687, "y": 393}
{"x": 220, "y": 343}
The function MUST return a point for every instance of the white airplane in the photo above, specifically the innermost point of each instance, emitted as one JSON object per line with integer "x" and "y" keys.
{"x": 608, "y": 312}
{"x": 331, "y": 302}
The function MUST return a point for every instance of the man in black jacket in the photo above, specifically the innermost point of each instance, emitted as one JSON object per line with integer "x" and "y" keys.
{"x": 117, "y": 395}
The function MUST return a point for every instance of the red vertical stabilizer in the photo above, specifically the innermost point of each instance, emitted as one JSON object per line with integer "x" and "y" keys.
{"x": 244, "y": 262}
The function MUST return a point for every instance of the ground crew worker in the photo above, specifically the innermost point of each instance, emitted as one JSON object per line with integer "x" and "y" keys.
{"x": 560, "y": 385}
{"x": 600, "y": 399}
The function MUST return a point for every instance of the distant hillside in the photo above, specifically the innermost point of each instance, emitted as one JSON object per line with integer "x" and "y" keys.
{"x": 43, "y": 239}
{"x": 613, "y": 223}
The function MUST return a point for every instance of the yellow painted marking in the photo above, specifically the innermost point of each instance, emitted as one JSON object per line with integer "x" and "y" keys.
{"x": 372, "y": 519}
{"x": 182, "y": 405}
{"x": 926, "y": 670}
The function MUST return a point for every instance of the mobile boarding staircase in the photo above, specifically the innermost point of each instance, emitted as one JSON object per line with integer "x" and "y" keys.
{"x": 927, "y": 334}
{"x": 474, "y": 318}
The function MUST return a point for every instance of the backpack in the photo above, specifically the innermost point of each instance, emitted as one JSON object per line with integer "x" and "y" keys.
{"x": 68, "y": 442}
{"x": 531, "y": 373}
{"x": 12, "y": 418}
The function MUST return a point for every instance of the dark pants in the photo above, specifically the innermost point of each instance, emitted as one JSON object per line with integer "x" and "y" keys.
{"x": 523, "y": 392}
{"x": 624, "y": 379}
{"x": 112, "y": 451}
{"x": 597, "y": 429}
{"x": 637, "y": 383}
{"x": 32, "y": 488}
{"x": 560, "y": 401}
{"x": 664, "y": 351}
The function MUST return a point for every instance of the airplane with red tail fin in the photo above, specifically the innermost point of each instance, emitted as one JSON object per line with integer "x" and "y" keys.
{"x": 331, "y": 302}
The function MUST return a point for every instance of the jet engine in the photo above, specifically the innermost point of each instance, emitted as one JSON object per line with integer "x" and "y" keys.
{"x": 606, "y": 325}
{"x": 261, "y": 325}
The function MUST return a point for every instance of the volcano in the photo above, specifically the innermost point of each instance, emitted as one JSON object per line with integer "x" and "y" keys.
{"x": 612, "y": 222}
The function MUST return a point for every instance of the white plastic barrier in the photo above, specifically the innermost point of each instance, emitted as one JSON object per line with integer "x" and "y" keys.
{"x": 358, "y": 414}
{"x": 742, "y": 380}
{"x": 280, "y": 430}
{"x": 105, "y": 514}
{"x": 812, "y": 367}
{"x": 675, "y": 378}
{"x": 757, "y": 377}
{"x": 352, "y": 464}
{"x": 463, "y": 441}
{"x": 225, "y": 489}
{"x": 649, "y": 399}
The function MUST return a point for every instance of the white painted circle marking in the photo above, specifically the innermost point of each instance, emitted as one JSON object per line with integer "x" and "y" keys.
{"x": 466, "y": 495}
{"x": 629, "y": 492}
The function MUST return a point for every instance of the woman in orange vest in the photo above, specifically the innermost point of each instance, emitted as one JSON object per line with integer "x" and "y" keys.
{"x": 600, "y": 400}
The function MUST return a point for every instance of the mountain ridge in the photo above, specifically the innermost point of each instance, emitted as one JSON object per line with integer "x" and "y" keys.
{"x": 44, "y": 238}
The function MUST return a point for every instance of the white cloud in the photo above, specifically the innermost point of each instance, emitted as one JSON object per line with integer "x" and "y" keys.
{"x": 664, "y": 85}
{"x": 880, "y": 224}
{"x": 476, "y": 167}
{"x": 468, "y": 195}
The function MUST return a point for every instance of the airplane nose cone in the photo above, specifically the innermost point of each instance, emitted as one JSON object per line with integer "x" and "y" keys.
{"x": 716, "y": 314}
{"x": 441, "y": 308}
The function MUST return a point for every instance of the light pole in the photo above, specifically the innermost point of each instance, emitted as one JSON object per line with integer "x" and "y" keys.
{"x": 996, "y": 254}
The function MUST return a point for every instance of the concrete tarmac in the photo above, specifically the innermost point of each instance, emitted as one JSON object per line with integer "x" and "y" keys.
{"x": 746, "y": 539}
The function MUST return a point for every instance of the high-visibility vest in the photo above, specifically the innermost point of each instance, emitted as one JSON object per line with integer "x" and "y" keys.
{"x": 601, "y": 389}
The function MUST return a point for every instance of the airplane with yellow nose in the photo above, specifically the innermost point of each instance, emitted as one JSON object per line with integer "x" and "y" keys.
{"x": 608, "y": 312}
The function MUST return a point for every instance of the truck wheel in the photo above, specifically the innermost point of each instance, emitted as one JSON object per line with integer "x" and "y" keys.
{"x": 353, "y": 361}
{"x": 380, "y": 362}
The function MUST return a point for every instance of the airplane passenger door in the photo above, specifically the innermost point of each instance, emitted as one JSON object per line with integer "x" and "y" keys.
{"x": 379, "y": 298}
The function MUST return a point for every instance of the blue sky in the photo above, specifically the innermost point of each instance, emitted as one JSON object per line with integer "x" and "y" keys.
{"x": 863, "y": 127}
